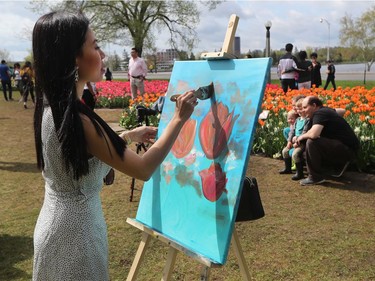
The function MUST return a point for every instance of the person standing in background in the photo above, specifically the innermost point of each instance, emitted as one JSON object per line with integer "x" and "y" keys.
{"x": 27, "y": 75}
{"x": 18, "y": 78}
{"x": 137, "y": 73}
{"x": 108, "y": 75}
{"x": 304, "y": 71}
{"x": 5, "y": 80}
{"x": 286, "y": 69}
{"x": 316, "y": 78}
{"x": 331, "y": 70}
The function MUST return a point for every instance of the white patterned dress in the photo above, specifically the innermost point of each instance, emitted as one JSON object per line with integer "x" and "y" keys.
{"x": 70, "y": 237}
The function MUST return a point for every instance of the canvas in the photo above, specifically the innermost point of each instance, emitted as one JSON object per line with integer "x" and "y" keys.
{"x": 193, "y": 197}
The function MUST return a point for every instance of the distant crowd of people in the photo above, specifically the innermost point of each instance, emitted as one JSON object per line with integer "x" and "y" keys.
{"x": 21, "y": 77}
{"x": 302, "y": 73}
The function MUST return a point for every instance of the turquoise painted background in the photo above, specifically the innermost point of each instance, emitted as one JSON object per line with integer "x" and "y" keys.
{"x": 174, "y": 201}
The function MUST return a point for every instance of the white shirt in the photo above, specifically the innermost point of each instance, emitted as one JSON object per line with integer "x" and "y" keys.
{"x": 137, "y": 67}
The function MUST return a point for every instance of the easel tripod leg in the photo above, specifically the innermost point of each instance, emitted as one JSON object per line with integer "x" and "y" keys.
{"x": 171, "y": 259}
{"x": 138, "y": 257}
{"x": 132, "y": 190}
{"x": 240, "y": 257}
{"x": 205, "y": 273}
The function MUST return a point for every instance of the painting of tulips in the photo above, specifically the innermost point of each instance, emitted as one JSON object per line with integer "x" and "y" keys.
{"x": 193, "y": 197}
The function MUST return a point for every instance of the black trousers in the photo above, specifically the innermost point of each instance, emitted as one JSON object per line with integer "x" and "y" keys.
{"x": 7, "y": 84}
{"x": 324, "y": 153}
{"x": 330, "y": 79}
{"x": 28, "y": 88}
{"x": 291, "y": 83}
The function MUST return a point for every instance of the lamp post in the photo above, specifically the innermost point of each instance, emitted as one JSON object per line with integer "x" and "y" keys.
{"x": 329, "y": 34}
{"x": 268, "y": 25}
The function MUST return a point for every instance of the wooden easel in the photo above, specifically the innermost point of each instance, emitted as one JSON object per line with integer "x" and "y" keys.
{"x": 225, "y": 53}
{"x": 227, "y": 49}
{"x": 174, "y": 247}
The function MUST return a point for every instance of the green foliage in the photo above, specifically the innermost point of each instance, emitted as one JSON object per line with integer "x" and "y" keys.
{"x": 114, "y": 21}
{"x": 360, "y": 33}
{"x": 269, "y": 139}
{"x": 115, "y": 102}
{"x": 129, "y": 118}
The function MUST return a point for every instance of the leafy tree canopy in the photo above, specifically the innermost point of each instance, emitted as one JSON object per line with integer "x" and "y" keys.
{"x": 360, "y": 34}
{"x": 137, "y": 23}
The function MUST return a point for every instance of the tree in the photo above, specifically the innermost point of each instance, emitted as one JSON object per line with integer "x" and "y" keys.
{"x": 360, "y": 33}
{"x": 114, "y": 62}
{"x": 4, "y": 55}
{"x": 136, "y": 22}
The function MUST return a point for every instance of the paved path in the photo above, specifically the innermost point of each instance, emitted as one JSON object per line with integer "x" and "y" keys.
{"x": 356, "y": 76}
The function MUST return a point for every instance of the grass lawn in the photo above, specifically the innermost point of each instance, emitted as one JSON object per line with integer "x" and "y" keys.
{"x": 317, "y": 233}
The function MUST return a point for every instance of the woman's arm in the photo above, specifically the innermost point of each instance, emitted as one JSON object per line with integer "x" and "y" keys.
{"x": 133, "y": 164}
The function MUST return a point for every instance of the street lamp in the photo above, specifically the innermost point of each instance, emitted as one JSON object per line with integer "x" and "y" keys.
{"x": 268, "y": 25}
{"x": 329, "y": 34}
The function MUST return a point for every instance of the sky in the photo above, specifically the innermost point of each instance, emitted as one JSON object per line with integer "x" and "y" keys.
{"x": 296, "y": 22}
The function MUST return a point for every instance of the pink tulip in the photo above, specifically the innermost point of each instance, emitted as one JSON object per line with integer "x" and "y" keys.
{"x": 213, "y": 182}
{"x": 215, "y": 130}
{"x": 185, "y": 140}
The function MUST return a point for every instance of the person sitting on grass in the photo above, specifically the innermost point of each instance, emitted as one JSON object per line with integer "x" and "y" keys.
{"x": 286, "y": 130}
{"x": 298, "y": 149}
{"x": 291, "y": 119}
{"x": 329, "y": 141}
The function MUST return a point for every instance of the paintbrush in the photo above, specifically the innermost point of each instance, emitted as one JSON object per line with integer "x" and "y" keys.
{"x": 202, "y": 93}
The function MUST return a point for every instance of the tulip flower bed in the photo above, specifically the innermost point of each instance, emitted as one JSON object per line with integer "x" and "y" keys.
{"x": 117, "y": 94}
{"x": 268, "y": 139}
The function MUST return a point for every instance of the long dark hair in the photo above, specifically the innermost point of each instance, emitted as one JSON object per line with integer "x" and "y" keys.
{"x": 58, "y": 38}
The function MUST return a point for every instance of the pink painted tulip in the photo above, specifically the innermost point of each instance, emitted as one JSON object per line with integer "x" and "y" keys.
{"x": 215, "y": 130}
{"x": 213, "y": 182}
{"x": 185, "y": 140}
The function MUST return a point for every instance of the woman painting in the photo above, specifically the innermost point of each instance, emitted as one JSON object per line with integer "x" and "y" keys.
{"x": 75, "y": 149}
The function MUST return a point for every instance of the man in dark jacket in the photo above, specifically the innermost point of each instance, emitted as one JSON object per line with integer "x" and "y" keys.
{"x": 5, "y": 80}
{"x": 286, "y": 69}
{"x": 331, "y": 70}
{"x": 330, "y": 140}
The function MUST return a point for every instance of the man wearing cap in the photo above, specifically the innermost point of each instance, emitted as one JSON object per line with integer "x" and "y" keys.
{"x": 330, "y": 75}
{"x": 5, "y": 80}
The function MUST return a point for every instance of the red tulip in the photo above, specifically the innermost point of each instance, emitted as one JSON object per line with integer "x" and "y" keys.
{"x": 213, "y": 182}
{"x": 185, "y": 140}
{"x": 215, "y": 130}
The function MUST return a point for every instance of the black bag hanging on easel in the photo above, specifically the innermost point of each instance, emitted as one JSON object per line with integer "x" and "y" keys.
{"x": 250, "y": 207}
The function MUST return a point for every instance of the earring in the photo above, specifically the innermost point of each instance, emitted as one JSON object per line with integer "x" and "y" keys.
{"x": 76, "y": 75}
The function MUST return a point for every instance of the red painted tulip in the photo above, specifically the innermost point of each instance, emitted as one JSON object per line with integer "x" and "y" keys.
{"x": 213, "y": 182}
{"x": 215, "y": 130}
{"x": 185, "y": 140}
